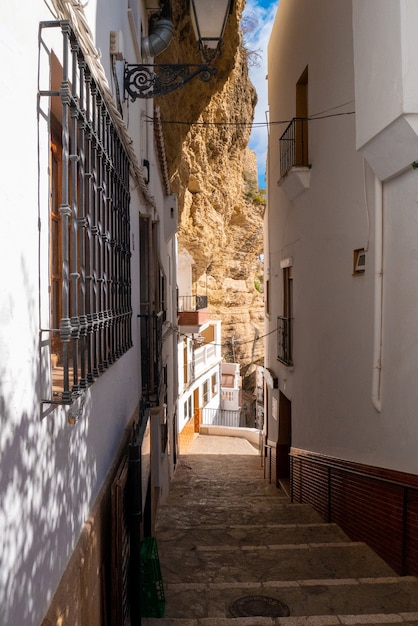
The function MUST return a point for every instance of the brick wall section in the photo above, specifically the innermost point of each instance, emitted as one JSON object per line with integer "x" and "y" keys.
{"x": 310, "y": 486}
{"x": 412, "y": 555}
{"x": 193, "y": 318}
{"x": 371, "y": 504}
{"x": 370, "y": 511}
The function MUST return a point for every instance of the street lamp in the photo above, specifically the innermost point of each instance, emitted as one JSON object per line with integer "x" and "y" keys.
{"x": 209, "y": 19}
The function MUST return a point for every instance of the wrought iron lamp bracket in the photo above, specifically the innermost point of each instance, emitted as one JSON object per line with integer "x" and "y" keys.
{"x": 150, "y": 80}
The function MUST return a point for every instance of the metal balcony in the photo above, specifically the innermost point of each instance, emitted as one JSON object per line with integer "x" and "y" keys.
{"x": 193, "y": 310}
{"x": 192, "y": 303}
{"x": 294, "y": 145}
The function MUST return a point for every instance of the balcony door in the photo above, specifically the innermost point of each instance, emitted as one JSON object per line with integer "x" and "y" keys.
{"x": 197, "y": 412}
{"x": 302, "y": 119}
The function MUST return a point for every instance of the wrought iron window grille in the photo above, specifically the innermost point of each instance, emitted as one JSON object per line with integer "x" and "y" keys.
{"x": 284, "y": 340}
{"x": 93, "y": 328}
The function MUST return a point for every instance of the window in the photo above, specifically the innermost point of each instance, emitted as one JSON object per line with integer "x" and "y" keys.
{"x": 267, "y": 297}
{"x": 152, "y": 310}
{"x": 302, "y": 119}
{"x": 285, "y": 322}
{"x": 359, "y": 261}
{"x": 185, "y": 363}
{"x": 294, "y": 140}
{"x": 205, "y": 392}
{"x": 89, "y": 243}
{"x": 214, "y": 384}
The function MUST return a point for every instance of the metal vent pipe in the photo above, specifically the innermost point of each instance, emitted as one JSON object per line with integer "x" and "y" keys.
{"x": 159, "y": 39}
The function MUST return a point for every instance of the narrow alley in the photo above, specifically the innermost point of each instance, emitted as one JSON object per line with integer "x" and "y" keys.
{"x": 234, "y": 549}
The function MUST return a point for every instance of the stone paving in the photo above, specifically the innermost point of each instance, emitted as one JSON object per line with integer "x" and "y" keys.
{"x": 226, "y": 537}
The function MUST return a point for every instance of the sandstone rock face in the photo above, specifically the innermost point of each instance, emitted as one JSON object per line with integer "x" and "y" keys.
{"x": 206, "y": 128}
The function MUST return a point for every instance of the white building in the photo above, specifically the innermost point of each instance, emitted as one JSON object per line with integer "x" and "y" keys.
{"x": 231, "y": 384}
{"x": 88, "y": 305}
{"x": 342, "y": 269}
{"x": 199, "y": 356}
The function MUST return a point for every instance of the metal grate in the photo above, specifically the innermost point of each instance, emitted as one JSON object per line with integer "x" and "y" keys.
{"x": 91, "y": 298}
{"x": 261, "y": 606}
{"x": 284, "y": 340}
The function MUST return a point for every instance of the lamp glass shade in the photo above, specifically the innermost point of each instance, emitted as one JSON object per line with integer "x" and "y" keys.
{"x": 209, "y": 21}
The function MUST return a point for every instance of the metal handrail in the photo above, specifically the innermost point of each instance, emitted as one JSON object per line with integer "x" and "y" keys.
{"x": 352, "y": 471}
{"x": 267, "y": 447}
{"x": 221, "y": 417}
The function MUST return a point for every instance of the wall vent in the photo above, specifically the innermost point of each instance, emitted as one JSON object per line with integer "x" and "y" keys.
{"x": 359, "y": 261}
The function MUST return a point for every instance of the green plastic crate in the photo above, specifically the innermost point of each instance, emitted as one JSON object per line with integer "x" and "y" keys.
{"x": 152, "y": 589}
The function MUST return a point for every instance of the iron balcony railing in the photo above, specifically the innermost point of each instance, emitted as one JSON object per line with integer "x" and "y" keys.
{"x": 294, "y": 145}
{"x": 221, "y": 417}
{"x": 284, "y": 340}
{"x": 192, "y": 303}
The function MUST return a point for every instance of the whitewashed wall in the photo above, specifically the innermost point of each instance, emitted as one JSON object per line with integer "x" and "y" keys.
{"x": 330, "y": 384}
{"x": 51, "y": 472}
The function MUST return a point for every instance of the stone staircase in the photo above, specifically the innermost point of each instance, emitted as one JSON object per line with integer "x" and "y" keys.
{"x": 234, "y": 550}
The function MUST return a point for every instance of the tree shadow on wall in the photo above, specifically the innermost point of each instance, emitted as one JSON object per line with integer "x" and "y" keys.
{"x": 47, "y": 478}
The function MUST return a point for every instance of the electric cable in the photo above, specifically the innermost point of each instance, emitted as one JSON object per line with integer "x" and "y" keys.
{"x": 252, "y": 124}
{"x": 226, "y": 345}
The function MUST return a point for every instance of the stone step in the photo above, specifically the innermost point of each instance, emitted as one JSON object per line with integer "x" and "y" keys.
{"x": 235, "y": 470}
{"x": 250, "y": 535}
{"x": 407, "y": 619}
{"x": 225, "y": 564}
{"x": 369, "y": 596}
{"x": 225, "y": 534}
{"x": 211, "y": 513}
{"x": 254, "y": 490}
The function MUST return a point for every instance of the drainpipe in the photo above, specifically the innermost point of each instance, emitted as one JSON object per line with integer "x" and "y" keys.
{"x": 378, "y": 297}
{"x": 159, "y": 39}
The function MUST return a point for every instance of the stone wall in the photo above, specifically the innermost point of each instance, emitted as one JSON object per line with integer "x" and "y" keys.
{"x": 206, "y": 128}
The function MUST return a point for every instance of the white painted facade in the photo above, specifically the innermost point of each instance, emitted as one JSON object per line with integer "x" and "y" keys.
{"x": 351, "y": 381}
{"x": 202, "y": 387}
{"x": 199, "y": 353}
{"x": 231, "y": 387}
{"x": 51, "y": 471}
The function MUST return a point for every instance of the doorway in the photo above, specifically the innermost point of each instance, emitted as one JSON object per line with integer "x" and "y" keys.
{"x": 196, "y": 410}
{"x": 284, "y": 442}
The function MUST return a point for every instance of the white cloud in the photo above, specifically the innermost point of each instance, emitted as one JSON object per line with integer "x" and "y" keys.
{"x": 257, "y": 41}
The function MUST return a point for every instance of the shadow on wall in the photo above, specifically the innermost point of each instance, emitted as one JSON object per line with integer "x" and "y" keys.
{"x": 47, "y": 476}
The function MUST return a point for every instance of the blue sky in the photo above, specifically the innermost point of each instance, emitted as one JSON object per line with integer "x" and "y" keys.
{"x": 263, "y": 11}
